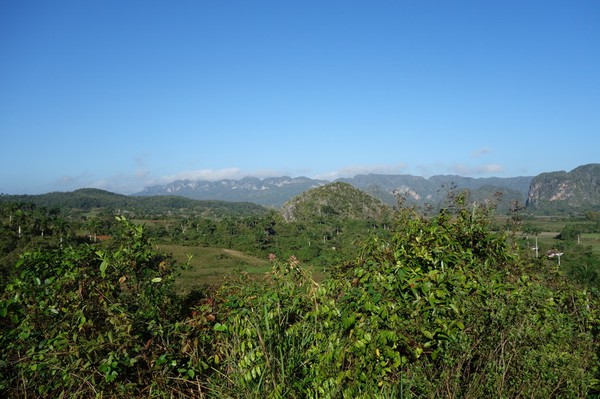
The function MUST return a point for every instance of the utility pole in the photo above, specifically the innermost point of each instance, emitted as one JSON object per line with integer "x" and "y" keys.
{"x": 536, "y": 248}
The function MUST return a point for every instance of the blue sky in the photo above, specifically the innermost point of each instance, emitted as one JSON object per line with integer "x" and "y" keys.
{"x": 119, "y": 95}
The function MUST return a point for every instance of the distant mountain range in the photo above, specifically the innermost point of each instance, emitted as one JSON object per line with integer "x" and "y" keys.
{"x": 276, "y": 191}
{"x": 549, "y": 193}
{"x": 270, "y": 192}
{"x": 433, "y": 191}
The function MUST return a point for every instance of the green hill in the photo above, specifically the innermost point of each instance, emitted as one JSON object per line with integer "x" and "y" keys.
{"x": 335, "y": 201}
{"x": 89, "y": 199}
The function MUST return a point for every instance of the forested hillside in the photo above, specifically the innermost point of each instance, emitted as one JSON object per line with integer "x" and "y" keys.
{"x": 360, "y": 301}
{"x": 339, "y": 201}
{"x": 88, "y": 199}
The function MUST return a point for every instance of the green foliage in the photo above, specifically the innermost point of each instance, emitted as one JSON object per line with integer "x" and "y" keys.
{"x": 86, "y": 321}
{"x": 446, "y": 308}
{"x": 593, "y": 216}
{"x": 91, "y": 199}
{"x": 438, "y": 306}
{"x": 24, "y": 226}
{"x": 267, "y": 333}
{"x": 573, "y": 231}
{"x": 333, "y": 202}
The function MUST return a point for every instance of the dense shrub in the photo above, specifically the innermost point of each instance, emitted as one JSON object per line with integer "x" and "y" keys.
{"x": 87, "y": 321}
{"x": 445, "y": 307}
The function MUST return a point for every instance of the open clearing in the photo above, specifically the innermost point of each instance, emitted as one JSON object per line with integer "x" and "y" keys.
{"x": 212, "y": 265}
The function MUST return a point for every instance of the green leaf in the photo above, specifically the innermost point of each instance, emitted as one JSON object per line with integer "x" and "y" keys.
{"x": 156, "y": 279}
{"x": 220, "y": 327}
{"x": 454, "y": 308}
{"x": 427, "y": 334}
{"x": 103, "y": 267}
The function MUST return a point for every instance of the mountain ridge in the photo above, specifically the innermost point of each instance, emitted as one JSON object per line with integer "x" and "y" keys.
{"x": 270, "y": 191}
{"x": 276, "y": 191}
{"x": 548, "y": 192}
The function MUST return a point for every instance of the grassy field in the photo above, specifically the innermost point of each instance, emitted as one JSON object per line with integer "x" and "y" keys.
{"x": 212, "y": 265}
{"x": 550, "y": 229}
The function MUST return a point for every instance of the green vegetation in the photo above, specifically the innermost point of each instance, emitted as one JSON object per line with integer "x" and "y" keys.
{"x": 451, "y": 303}
{"x": 212, "y": 265}
{"x": 336, "y": 201}
{"x": 91, "y": 199}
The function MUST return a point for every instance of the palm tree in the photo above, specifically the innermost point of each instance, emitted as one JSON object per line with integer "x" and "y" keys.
{"x": 62, "y": 228}
{"x": 93, "y": 224}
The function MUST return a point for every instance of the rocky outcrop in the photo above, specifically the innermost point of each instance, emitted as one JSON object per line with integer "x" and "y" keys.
{"x": 578, "y": 189}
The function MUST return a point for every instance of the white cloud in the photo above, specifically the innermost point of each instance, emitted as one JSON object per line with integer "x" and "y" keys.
{"x": 216, "y": 174}
{"x": 480, "y": 152}
{"x": 123, "y": 184}
{"x": 141, "y": 170}
{"x": 70, "y": 182}
{"x": 351, "y": 171}
{"x": 66, "y": 180}
{"x": 465, "y": 170}
{"x": 139, "y": 179}
{"x": 202, "y": 174}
